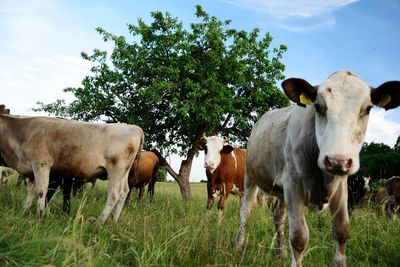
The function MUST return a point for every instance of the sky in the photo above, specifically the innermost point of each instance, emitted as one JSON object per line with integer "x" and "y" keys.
{"x": 42, "y": 41}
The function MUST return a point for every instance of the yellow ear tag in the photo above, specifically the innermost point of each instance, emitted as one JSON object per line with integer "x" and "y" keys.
{"x": 384, "y": 100}
{"x": 305, "y": 100}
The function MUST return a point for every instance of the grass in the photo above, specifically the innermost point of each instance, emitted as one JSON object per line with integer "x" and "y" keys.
{"x": 169, "y": 232}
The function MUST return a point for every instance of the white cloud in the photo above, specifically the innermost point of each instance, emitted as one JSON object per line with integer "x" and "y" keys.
{"x": 282, "y": 9}
{"x": 380, "y": 129}
{"x": 292, "y": 14}
{"x": 40, "y": 53}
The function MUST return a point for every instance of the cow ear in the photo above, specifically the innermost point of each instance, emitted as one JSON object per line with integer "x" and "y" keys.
{"x": 226, "y": 149}
{"x": 300, "y": 91}
{"x": 200, "y": 144}
{"x": 387, "y": 95}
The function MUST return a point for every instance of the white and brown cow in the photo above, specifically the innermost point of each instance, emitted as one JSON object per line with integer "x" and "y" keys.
{"x": 40, "y": 147}
{"x": 303, "y": 154}
{"x": 224, "y": 166}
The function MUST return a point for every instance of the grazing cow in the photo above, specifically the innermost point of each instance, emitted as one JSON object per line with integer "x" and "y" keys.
{"x": 358, "y": 187}
{"x": 146, "y": 173}
{"x": 4, "y": 173}
{"x": 392, "y": 187}
{"x": 224, "y": 166}
{"x": 303, "y": 154}
{"x": 42, "y": 147}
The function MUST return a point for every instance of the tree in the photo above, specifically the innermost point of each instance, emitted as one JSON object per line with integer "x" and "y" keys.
{"x": 379, "y": 160}
{"x": 162, "y": 175}
{"x": 179, "y": 84}
{"x": 397, "y": 145}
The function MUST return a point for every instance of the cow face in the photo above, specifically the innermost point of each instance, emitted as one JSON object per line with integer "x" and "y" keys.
{"x": 367, "y": 180}
{"x": 341, "y": 107}
{"x": 213, "y": 147}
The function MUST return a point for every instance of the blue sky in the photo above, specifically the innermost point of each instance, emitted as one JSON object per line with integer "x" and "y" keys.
{"x": 42, "y": 41}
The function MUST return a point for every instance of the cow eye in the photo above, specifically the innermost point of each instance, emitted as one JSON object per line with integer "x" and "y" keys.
{"x": 205, "y": 149}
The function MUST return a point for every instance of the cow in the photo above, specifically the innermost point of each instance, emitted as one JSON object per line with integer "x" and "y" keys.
{"x": 392, "y": 187}
{"x": 44, "y": 147}
{"x": 358, "y": 187}
{"x": 146, "y": 173}
{"x": 224, "y": 166}
{"x": 4, "y": 173}
{"x": 304, "y": 153}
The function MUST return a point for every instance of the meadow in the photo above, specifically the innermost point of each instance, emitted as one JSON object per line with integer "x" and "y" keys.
{"x": 168, "y": 232}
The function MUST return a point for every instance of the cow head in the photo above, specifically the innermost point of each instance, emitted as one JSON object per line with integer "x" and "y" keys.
{"x": 213, "y": 146}
{"x": 367, "y": 180}
{"x": 4, "y": 110}
{"x": 342, "y": 104}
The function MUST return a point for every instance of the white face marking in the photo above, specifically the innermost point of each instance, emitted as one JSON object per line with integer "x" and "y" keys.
{"x": 342, "y": 107}
{"x": 212, "y": 156}
{"x": 367, "y": 179}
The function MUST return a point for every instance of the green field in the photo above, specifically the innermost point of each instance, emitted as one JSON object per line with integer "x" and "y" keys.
{"x": 168, "y": 232}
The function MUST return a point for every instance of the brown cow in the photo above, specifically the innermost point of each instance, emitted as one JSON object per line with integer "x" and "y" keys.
{"x": 224, "y": 166}
{"x": 146, "y": 173}
{"x": 40, "y": 147}
{"x": 392, "y": 186}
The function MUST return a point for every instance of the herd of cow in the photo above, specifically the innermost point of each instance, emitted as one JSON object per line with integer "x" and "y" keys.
{"x": 302, "y": 155}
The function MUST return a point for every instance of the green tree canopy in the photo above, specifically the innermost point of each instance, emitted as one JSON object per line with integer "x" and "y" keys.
{"x": 178, "y": 84}
{"x": 379, "y": 160}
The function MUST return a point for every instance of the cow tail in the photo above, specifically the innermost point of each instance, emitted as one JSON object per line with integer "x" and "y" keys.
{"x": 135, "y": 164}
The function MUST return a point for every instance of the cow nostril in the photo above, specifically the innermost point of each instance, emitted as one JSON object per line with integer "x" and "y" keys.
{"x": 349, "y": 163}
{"x": 327, "y": 162}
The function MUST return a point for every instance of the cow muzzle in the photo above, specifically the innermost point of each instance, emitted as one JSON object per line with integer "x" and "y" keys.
{"x": 210, "y": 166}
{"x": 338, "y": 164}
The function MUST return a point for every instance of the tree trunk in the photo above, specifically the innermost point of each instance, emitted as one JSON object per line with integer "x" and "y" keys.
{"x": 182, "y": 178}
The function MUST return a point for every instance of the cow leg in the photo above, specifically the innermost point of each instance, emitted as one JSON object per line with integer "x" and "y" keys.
{"x": 210, "y": 199}
{"x": 124, "y": 189}
{"x": 112, "y": 199}
{"x": 41, "y": 185}
{"x": 150, "y": 190}
{"x": 30, "y": 190}
{"x": 249, "y": 198}
{"x": 54, "y": 183}
{"x": 338, "y": 208}
{"x": 298, "y": 229}
{"x": 279, "y": 221}
{"x": 67, "y": 188}
{"x": 141, "y": 192}
{"x": 152, "y": 184}
{"x": 128, "y": 196}
{"x": 221, "y": 203}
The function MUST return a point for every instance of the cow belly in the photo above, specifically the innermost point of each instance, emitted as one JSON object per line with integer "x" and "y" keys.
{"x": 265, "y": 150}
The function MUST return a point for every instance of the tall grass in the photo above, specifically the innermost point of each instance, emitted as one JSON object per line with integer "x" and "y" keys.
{"x": 169, "y": 232}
